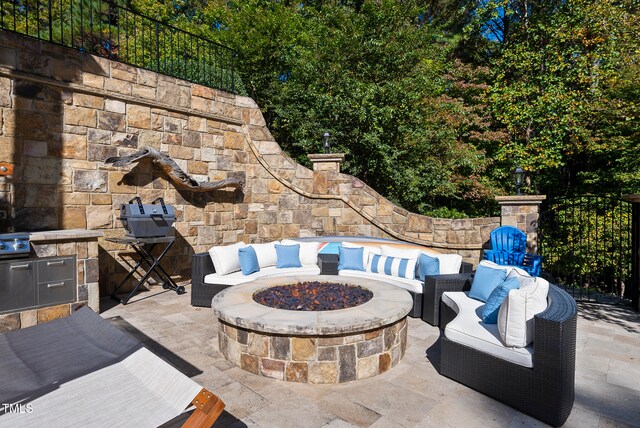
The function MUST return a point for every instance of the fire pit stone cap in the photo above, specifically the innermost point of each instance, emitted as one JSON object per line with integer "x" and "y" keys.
{"x": 235, "y": 305}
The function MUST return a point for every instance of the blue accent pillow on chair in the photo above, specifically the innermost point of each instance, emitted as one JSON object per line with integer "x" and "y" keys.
{"x": 351, "y": 258}
{"x": 497, "y": 296}
{"x": 485, "y": 280}
{"x": 288, "y": 256}
{"x": 248, "y": 260}
{"x": 428, "y": 265}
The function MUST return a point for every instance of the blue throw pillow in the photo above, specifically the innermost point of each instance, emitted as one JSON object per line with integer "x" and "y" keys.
{"x": 497, "y": 296}
{"x": 248, "y": 260}
{"x": 485, "y": 280}
{"x": 351, "y": 258}
{"x": 288, "y": 256}
{"x": 427, "y": 265}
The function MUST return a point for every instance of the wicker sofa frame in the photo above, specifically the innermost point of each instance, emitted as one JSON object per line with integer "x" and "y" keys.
{"x": 547, "y": 390}
{"x": 435, "y": 285}
{"x": 202, "y": 293}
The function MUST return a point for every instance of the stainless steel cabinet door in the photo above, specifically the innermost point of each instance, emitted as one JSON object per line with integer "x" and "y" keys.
{"x": 17, "y": 285}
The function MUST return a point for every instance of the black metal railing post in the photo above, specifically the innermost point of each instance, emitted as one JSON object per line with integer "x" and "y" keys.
{"x": 233, "y": 70}
{"x": 635, "y": 249}
{"x": 157, "y": 46}
{"x": 50, "y": 22}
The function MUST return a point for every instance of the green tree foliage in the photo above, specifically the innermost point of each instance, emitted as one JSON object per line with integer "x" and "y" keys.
{"x": 435, "y": 102}
{"x": 565, "y": 88}
{"x": 376, "y": 75}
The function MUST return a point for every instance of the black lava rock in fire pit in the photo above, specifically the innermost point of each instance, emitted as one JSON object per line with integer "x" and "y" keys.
{"x": 313, "y": 296}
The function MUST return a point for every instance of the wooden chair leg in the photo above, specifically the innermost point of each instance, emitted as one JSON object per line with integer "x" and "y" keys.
{"x": 208, "y": 409}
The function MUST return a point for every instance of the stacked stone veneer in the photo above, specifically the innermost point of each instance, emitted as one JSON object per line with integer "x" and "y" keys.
{"x": 314, "y": 359}
{"x": 63, "y": 112}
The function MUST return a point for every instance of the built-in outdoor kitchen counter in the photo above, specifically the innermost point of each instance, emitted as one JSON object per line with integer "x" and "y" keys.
{"x": 59, "y": 273}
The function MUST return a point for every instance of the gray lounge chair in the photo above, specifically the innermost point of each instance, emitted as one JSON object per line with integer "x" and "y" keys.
{"x": 82, "y": 371}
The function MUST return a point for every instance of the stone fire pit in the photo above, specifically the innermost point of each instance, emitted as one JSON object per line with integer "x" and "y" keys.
{"x": 313, "y": 346}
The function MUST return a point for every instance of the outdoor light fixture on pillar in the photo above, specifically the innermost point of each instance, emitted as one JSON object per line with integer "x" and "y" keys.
{"x": 326, "y": 144}
{"x": 518, "y": 175}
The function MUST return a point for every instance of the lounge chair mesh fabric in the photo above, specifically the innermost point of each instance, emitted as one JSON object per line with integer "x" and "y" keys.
{"x": 82, "y": 371}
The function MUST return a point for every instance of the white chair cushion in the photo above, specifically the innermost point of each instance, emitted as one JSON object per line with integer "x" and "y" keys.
{"x": 468, "y": 329}
{"x": 308, "y": 250}
{"x": 508, "y": 268}
{"x": 413, "y": 285}
{"x": 237, "y": 278}
{"x": 225, "y": 257}
{"x": 522, "y": 276}
{"x": 515, "y": 319}
{"x": 449, "y": 263}
{"x": 266, "y": 253}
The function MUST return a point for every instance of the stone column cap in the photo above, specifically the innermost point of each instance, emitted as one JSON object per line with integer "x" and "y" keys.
{"x": 326, "y": 157}
{"x": 521, "y": 199}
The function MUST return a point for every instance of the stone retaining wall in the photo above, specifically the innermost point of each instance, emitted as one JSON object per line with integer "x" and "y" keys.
{"x": 62, "y": 113}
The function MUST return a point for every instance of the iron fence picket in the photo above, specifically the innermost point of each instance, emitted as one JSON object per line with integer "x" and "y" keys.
{"x": 586, "y": 245}
{"x": 98, "y": 27}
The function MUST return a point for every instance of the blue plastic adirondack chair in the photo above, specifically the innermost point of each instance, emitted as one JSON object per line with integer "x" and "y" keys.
{"x": 509, "y": 247}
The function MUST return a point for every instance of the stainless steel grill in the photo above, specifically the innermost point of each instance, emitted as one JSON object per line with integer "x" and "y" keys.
{"x": 14, "y": 245}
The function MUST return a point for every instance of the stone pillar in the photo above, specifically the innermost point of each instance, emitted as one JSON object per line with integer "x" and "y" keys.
{"x": 327, "y": 161}
{"x": 522, "y": 211}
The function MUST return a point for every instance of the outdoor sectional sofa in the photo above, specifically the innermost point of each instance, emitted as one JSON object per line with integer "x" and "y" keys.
{"x": 206, "y": 283}
{"x": 537, "y": 380}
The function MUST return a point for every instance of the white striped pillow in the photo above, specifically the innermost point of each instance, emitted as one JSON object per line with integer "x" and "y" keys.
{"x": 394, "y": 266}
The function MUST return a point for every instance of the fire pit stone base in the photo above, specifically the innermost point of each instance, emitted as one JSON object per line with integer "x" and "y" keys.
{"x": 330, "y": 346}
{"x": 315, "y": 359}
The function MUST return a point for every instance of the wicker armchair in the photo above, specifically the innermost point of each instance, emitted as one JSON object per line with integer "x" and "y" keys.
{"x": 545, "y": 391}
{"x": 435, "y": 285}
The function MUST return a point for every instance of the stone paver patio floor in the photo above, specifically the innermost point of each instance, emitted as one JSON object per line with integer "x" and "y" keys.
{"x": 410, "y": 394}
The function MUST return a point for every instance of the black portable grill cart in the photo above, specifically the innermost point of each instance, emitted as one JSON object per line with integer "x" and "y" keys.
{"x": 147, "y": 226}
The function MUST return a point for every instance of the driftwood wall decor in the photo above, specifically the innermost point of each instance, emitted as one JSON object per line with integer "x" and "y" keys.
{"x": 181, "y": 179}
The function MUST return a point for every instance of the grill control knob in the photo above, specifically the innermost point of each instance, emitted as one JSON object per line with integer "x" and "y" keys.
{"x": 17, "y": 244}
{"x": 2, "y": 246}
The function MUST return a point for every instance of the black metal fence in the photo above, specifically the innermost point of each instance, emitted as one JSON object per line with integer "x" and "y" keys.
{"x": 586, "y": 242}
{"x": 112, "y": 31}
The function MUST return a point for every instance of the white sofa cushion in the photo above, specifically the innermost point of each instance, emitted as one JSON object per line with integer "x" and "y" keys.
{"x": 225, "y": 258}
{"x": 405, "y": 253}
{"x": 449, "y": 263}
{"x": 237, "y": 278}
{"x": 413, "y": 285}
{"x": 393, "y": 266}
{"x": 515, "y": 319}
{"x": 468, "y": 329}
{"x": 308, "y": 250}
{"x": 266, "y": 253}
